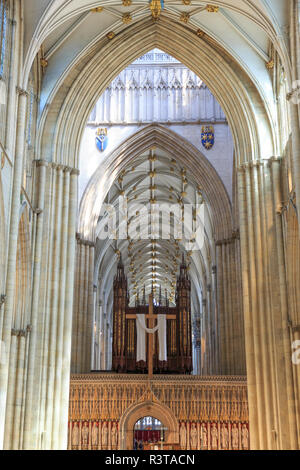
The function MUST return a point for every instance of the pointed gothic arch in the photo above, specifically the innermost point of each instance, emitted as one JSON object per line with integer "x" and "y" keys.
{"x": 220, "y": 228}
{"x": 188, "y": 155}
{"x": 67, "y": 108}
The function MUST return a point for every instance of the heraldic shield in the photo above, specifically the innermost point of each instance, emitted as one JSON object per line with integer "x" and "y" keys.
{"x": 101, "y": 139}
{"x": 208, "y": 137}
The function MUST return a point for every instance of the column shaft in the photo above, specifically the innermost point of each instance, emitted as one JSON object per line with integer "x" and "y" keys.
{"x": 61, "y": 311}
{"x": 12, "y": 253}
{"x": 247, "y": 307}
{"x": 67, "y": 337}
{"x": 34, "y": 363}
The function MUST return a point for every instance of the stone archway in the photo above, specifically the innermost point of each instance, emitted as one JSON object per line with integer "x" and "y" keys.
{"x": 148, "y": 408}
{"x": 64, "y": 117}
{"x": 188, "y": 155}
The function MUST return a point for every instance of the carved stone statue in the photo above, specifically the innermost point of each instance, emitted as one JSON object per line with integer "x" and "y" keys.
{"x": 182, "y": 436}
{"x": 245, "y": 437}
{"x": 214, "y": 436}
{"x": 114, "y": 435}
{"x": 224, "y": 436}
{"x": 235, "y": 436}
{"x": 75, "y": 435}
{"x": 85, "y": 434}
{"x": 194, "y": 437}
{"x": 204, "y": 436}
{"x": 94, "y": 435}
{"x": 104, "y": 435}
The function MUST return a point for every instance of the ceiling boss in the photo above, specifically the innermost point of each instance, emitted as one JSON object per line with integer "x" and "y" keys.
{"x": 156, "y": 6}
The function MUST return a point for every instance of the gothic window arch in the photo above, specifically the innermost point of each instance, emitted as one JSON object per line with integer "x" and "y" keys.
{"x": 190, "y": 84}
{"x": 119, "y": 85}
{"x": 162, "y": 85}
{"x": 176, "y": 83}
{"x": 134, "y": 93}
{"x": 162, "y": 93}
{"x": 176, "y": 89}
{"x": 133, "y": 84}
{"x": 147, "y": 97}
{"x": 147, "y": 85}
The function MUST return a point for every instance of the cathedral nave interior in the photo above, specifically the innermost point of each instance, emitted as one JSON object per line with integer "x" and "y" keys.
{"x": 149, "y": 225}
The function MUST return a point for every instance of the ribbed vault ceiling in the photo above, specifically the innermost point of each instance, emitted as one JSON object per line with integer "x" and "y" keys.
{"x": 156, "y": 178}
{"x": 65, "y": 29}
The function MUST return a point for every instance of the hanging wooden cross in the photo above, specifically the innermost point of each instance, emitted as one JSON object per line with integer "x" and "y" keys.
{"x": 151, "y": 325}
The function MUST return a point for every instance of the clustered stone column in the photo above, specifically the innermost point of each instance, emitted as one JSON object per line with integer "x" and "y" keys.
{"x": 6, "y": 325}
{"x": 39, "y": 355}
{"x": 230, "y": 328}
{"x": 221, "y": 322}
{"x": 83, "y": 307}
{"x": 271, "y": 388}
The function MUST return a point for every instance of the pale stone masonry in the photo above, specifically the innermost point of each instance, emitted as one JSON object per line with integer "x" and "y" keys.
{"x": 235, "y": 67}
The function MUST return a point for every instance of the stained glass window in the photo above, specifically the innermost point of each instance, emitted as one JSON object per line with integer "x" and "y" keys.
{"x": 3, "y": 28}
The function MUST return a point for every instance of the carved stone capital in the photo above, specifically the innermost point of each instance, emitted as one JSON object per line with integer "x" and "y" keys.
{"x": 241, "y": 169}
{"x": 280, "y": 209}
{"x": 82, "y": 241}
{"x": 67, "y": 169}
{"x": 41, "y": 163}
{"x": 64, "y": 168}
{"x": 2, "y": 299}
{"x": 255, "y": 164}
{"x": 293, "y": 94}
{"x": 226, "y": 241}
{"x": 296, "y": 329}
{"x": 21, "y": 91}
{"x": 273, "y": 160}
{"x": 21, "y": 333}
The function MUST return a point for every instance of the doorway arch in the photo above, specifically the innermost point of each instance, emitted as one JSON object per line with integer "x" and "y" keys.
{"x": 148, "y": 408}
